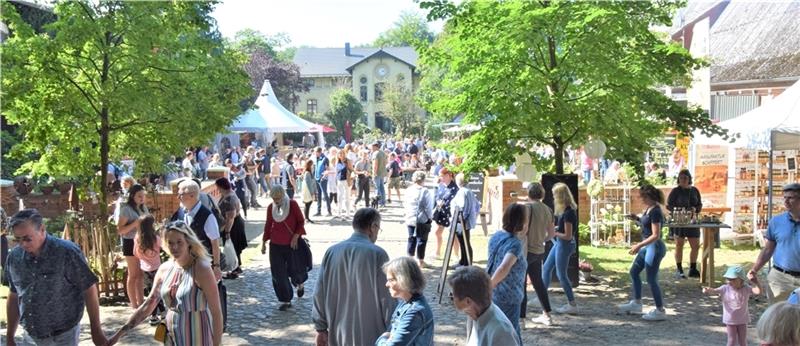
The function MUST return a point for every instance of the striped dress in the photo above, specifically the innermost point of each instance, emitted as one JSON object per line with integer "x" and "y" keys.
{"x": 188, "y": 318}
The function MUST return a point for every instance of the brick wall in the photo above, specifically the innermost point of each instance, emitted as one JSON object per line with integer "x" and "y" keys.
{"x": 161, "y": 204}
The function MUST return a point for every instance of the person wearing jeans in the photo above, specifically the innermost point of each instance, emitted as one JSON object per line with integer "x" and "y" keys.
{"x": 540, "y": 228}
{"x": 322, "y": 181}
{"x": 418, "y": 205}
{"x": 649, "y": 253}
{"x": 379, "y": 172}
{"x": 563, "y": 245}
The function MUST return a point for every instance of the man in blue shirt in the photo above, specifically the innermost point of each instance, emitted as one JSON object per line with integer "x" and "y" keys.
{"x": 783, "y": 246}
{"x": 322, "y": 181}
{"x": 50, "y": 284}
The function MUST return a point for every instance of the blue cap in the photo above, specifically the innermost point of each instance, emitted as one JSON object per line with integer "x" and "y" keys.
{"x": 734, "y": 272}
{"x": 795, "y": 297}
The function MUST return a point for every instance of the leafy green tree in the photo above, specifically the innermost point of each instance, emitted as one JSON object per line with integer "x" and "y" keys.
{"x": 410, "y": 30}
{"x": 265, "y": 62}
{"x": 555, "y": 73}
{"x": 113, "y": 79}
{"x": 398, "y": 105}
{"x": 344, "y": 107}
{"x": 251, "y": 41}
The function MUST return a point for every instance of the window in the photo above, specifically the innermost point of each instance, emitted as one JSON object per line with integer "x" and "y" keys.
{"x": 379, "y": 92}
{"x": 310, "y": 83}
{"x": 311, "y": 107}
{"x": 363, "y": 80}
{"x": 363, "y": 93}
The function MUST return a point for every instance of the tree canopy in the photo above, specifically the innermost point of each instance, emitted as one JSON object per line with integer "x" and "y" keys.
{"x": 264, "y": 62}
{"x": 344, "y": 107}
{"x": 115, "y": 79}
{"x": 410, "y": 30}
{"x": 398, "y": 105}
{"x": 556, "y": 73}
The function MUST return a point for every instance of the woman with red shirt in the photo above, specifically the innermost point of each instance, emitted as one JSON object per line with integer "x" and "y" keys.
{"x": 284, "y": 226}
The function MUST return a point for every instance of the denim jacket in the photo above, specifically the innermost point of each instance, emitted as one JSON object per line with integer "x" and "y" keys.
{"x": 412, "y": 324}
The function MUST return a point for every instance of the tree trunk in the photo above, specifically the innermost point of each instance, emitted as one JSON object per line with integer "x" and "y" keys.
{"x": 558, "y": 151}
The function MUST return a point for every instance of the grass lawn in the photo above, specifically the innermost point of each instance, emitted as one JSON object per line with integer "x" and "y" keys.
{"x": 614, "y": 262}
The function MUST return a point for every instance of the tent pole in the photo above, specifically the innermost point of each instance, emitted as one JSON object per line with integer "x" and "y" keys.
{"x": 769, "y": 195}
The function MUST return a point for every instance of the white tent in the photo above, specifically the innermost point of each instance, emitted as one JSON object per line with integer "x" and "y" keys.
{"x": 773, "y": 126}
{"x": 270, "y": 117}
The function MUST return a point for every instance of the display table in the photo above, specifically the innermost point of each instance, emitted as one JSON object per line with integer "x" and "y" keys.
{"x": 707, "y": 257}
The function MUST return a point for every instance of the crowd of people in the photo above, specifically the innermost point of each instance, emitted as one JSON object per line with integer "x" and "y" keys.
{"x": 361, "y": 295}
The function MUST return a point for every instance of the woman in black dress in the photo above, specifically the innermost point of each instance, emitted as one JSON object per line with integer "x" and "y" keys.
{"x": 233, "y": 224}
{"x": 688, "y": 197}
{"x": 444, "y": 194}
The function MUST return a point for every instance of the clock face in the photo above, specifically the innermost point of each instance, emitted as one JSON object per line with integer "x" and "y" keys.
{"x": 382, "y": 71}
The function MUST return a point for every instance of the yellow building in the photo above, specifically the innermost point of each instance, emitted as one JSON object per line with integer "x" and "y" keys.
{"x": 363, "y": 71}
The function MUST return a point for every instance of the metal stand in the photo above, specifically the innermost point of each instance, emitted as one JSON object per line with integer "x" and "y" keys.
{"x": 457, "y": 218}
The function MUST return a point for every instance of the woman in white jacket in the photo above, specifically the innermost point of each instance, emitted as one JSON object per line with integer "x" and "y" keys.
{"x": 418, "y": 206}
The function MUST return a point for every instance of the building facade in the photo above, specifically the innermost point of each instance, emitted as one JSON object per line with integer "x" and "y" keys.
{"x": 365, "y": 72}
{"x": 753, "y": 50}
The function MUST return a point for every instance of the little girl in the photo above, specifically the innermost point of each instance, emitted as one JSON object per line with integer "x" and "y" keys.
{"x": 147, "y": 248}
{"x": 735, "y": 296}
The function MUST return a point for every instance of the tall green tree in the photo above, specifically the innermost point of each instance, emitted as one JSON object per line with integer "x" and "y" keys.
{"x": 264, "y": 62}
{"x": 555, "y": 73}
{"x": 398, "y": 105}
{"x": 114, "y": 79}
{"x": 344, "y": 107}
{"x": 411, "y": 30}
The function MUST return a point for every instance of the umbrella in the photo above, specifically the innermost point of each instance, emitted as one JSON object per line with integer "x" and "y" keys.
{"x": 321, "y": 128}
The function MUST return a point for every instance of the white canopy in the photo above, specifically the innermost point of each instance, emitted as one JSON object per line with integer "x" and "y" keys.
{"x": 775, "y": 125}
{"x": 270, "y": 116}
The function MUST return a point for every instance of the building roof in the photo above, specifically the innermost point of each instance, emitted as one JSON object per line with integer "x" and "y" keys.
{"x": 334, "y": 62}
{"x": 749, "y": 41}
{"x": 756, "y": 41}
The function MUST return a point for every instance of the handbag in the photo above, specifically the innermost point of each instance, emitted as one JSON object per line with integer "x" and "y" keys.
{"x": 161, "y": 332}
{"x": 228, "y": 261}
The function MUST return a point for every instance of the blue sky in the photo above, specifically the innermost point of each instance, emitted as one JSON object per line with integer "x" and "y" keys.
{"x": 317, "y": 23}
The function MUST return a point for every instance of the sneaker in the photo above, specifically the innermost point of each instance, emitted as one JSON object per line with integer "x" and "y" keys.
{"x": 694, "y": 273}
{"x": 285, "y": 306}
{"x": 632, "y": 307}
{"x": 301, "y": 290}
{"x": 154, "y": 320}
{"x": 567, "y": 309}
{"x": 318, "y": 214}
{"x": 543, "y": 319}
{"x": 680, "y": 275}
{"x": 655, "y": 315}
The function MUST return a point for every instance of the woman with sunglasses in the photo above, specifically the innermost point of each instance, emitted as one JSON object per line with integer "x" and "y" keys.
{"x": 188, "y": 288}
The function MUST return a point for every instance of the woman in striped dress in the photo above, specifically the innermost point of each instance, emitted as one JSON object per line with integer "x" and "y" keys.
{"x": 189, "y": 290}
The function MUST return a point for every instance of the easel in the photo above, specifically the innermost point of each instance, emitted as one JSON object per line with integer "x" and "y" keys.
{"x": 458, "y": 217}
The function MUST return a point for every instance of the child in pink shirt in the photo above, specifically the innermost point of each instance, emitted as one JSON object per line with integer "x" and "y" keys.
{"x": 735, "y": 295}
{"x": 147, "y": 248}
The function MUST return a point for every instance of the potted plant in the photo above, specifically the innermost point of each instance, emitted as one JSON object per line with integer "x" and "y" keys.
{"x": 45, "y": 184}
{"x": 23, "y": 185}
